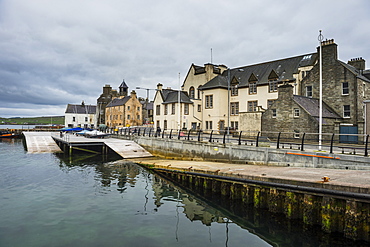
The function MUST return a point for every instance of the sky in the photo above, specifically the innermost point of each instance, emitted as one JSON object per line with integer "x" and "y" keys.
{"x": 59, "y": 52}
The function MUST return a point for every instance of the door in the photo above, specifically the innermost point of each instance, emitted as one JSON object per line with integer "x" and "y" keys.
{"x": 348, "y": 130}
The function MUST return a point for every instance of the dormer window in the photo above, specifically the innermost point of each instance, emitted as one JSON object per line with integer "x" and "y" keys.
{"x": 252, "y": 84}
{"x": 234, "y": 87}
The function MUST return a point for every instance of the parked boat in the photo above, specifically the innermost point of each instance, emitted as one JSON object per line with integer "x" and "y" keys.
{"x": 8, "y": 134}
{"x": 96, "y": 134}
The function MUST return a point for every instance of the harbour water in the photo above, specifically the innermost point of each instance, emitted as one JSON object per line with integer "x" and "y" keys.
{"x": 50, "y": 200}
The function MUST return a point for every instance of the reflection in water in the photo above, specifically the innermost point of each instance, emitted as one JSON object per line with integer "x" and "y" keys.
{"x": 199, "y": 206}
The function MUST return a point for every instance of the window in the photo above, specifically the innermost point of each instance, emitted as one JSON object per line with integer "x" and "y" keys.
{"x": 209, "y": 101}
{"x": 346, "y": 111}
{"x": 270, "y": 102}
{"x": 138, "y": 117}
{"x": 272, "y": 86}
{"x": 234, "y": 90}
{"x": 74, "y": 119}
{"x": 208, "y": 125}
{"x": 296, "y": 112}
{"x": 273, "y": 113}
{"x": 165, "y": 109}
{"x": 234, "y": 108}
{"x": 192, "y": 92}
{"x": 199, "y": 92}
{"x": 309, "y": 91}
{"x": 128, "y": 107}
{"x": 158, "y": 110}
{"x": 165, "y": 124}
{"x": 173, "y": 110}
{"x": 186, "y": 109}
{"x": 296, "y": 134}
{"x": 345, "y": 89}
{"x": 86, "y": 119}
{"x": 199, "y": 108}
{"x": 235, "y": 125}
{"x": 252, "y": 106}
{"x": 253, "y": 88}
{"x": 128, "y": 117}
{"x": 138, "y": 108}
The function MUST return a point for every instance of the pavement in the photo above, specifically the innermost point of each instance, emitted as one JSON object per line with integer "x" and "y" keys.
{"x": 353, "y": 181}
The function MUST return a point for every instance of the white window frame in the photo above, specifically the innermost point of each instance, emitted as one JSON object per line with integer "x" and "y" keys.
{"x": 296, "y": 112}
{"x": 346, "y": 112}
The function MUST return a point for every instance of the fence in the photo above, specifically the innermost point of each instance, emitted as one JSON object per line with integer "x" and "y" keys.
{"x": 355, "y": 144}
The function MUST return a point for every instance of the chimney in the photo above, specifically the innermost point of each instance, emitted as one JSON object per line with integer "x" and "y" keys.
{"x": 285, "y": 92}
{"x": 107, "y": 89}
{"x": 329, "y": 52}
{"x": 133, "y": 94}
{"x": 358, "y": 63}
{"x": 159, "y": 86}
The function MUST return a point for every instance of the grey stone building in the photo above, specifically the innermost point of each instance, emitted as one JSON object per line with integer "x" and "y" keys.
{"x": 297, "y": 114}
{"x": 346, "y": 86}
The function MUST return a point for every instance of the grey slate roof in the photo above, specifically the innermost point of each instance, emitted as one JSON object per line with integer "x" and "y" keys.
{"x": 171, "y": 96}
{"x": 312, "y": 106}
{"x": 123, "y": 84}
{"x": 284, "y": 68}
{"x": 355, "y": 71}
{"x": 118, "y": 101}
{"x": 81, "y": 109}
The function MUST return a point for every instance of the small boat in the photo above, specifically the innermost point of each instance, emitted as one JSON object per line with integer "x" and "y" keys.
{"x": 7, "y": 134}
{"x": 96, "y": 134}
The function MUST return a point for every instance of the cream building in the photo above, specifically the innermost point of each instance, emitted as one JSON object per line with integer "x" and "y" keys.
{"x": 222, "y": 97}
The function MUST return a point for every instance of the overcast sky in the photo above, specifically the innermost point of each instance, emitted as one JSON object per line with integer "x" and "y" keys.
{"x": 55, "y": 52}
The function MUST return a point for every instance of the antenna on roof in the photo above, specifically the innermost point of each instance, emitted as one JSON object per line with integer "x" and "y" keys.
{"x": 211, "y": 57}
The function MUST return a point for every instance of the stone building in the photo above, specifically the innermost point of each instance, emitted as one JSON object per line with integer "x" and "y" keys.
{"x": 106, "y": 97}
{"x": 345, "y": 89}
{"x": 124, "y": 111}
{"x": 297, "y": 114}
{"x": 83, "y": 116}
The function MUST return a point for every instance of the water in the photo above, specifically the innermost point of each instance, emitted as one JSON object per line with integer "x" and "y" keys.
{"x": 49, "y": 200}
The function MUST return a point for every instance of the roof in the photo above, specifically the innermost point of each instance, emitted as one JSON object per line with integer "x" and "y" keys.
{"x": 284, "y": 69}
{"x": 123, "y": 84}
{"x": 171, "y": 96}
{"x": 312, "y": 107}
{"x": 364, "y": 77}
{"x": 118, "y": 101}
{"x": 81, "y": 109}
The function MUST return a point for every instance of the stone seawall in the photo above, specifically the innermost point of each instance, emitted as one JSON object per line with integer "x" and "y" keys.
{"x": 242, "y": 154}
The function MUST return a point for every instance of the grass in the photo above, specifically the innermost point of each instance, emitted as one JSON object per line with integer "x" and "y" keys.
{"x": 58, "y": 120}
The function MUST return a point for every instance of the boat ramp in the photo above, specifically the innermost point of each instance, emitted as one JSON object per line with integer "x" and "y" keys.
{"x": 53, "y": 142}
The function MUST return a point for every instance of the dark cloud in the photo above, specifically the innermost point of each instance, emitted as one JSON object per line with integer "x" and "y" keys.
{"x": 59, "y": 52}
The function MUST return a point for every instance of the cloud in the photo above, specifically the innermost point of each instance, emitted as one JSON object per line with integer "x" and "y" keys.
{"x": 59, "y": 52}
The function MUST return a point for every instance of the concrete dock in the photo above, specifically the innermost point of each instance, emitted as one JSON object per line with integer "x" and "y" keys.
{"x": 41, "y": 142}
{"x": 355, "y": 181}
{"x": 46, "y": 142}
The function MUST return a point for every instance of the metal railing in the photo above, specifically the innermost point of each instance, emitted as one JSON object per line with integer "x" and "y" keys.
{"x": 355, "y": 144}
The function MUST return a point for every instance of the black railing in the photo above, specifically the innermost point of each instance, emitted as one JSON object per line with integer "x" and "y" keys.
{"x": 330, "y": 143}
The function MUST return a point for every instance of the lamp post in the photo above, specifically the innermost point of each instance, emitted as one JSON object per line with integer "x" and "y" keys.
{"x": 228, "y": 103}
{"x": 320, "y": 38}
